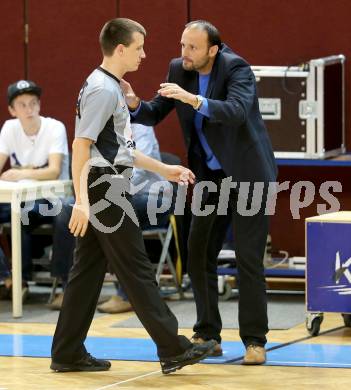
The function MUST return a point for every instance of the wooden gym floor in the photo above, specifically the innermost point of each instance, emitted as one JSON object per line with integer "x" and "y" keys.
{"x": 19, "y": 373}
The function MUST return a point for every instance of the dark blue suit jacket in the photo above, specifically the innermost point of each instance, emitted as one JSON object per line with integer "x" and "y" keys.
{"x": 235, "y": 130}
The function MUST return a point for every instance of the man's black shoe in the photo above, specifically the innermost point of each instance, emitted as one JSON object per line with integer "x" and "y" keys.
{"x": 192, "y": 355}
{"x": 87, "y": 363}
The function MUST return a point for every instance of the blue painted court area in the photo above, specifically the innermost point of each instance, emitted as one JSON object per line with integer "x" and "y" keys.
{"x": 311, "y": 355}
{"x": 299, "y": 354}
{"x": 107, "y": 348}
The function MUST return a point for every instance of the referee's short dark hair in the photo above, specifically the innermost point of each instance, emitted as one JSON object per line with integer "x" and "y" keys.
{"x": 118, "y": 31}
{"x": 213, "y": 34}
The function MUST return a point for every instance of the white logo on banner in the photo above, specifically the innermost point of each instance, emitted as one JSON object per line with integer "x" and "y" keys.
{"x": 341, "y": 271}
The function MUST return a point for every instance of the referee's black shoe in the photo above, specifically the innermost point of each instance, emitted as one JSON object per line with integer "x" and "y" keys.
{"x": 192, "y": 355}
{"x": 87, "y": 363}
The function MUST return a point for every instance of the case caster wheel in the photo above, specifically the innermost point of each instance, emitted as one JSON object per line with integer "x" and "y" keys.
{"x": 347, "y": 319}
{"x": 226, "y": 293}
{"x": 313, "y": 323}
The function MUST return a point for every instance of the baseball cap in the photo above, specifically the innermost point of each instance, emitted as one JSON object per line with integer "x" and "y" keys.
{"x": 20, "y": 87}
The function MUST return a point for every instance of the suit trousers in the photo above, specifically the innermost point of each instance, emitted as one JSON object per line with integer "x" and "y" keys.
{"x": 123, "y": 248}
{"x": 206, "y": 237}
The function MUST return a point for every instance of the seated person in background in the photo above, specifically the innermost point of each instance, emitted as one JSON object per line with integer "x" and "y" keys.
{"x": 5, "y": 275}
{"x": 37, "y": 149}
{"x": 64, "y": 241}
{"x": 63, "y": 246}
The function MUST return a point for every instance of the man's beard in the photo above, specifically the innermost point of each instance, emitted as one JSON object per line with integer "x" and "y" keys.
{"x": 198, "y": 67}
{"x": 189, "y": 67}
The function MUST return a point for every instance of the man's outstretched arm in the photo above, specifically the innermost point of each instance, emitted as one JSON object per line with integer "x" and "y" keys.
{"x": 148, "y": 113}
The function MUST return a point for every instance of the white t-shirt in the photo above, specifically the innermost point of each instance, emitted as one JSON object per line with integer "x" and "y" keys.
{"x": 34, "y": 151}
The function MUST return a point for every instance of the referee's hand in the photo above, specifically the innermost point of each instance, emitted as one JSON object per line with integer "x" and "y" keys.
{"x": 78, "y": 223}
{"x": 178, "y": 174}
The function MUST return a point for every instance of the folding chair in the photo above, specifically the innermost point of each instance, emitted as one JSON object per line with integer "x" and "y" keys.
{"x": 165, "y": 235}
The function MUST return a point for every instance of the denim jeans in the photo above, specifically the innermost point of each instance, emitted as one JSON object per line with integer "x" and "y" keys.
{"x": 35, "y": 219}
{"x": 4, "y": 268}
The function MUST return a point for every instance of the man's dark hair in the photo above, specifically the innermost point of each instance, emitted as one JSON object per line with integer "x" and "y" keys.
{"x": 118, "y": 31}
{"x": 213, "y": 34}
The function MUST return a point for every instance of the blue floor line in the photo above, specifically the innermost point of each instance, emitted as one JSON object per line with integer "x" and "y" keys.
{"x": 132, "y": 349}
{"x": 311, "y": 355}
{"x": 106, "y": 348}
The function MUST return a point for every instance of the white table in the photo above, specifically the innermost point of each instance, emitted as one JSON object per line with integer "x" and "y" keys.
{"x": 15, "y": 193}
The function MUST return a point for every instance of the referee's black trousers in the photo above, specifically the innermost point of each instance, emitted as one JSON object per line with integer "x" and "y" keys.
{"x": 124, "y": 250}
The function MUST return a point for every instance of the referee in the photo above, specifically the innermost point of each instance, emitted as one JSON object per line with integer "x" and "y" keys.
{"x": 103, "y": 218}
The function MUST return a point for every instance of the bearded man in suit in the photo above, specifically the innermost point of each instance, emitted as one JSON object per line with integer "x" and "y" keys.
{"x": 213, "y": 91}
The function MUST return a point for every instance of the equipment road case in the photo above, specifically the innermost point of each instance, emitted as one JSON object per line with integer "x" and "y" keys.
{"x": 328, "y": 276}
{"x": 303, "y": 107}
